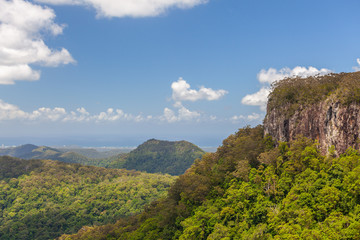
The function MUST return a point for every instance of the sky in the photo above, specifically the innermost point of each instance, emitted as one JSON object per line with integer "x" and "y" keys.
{"x": 119, "y": 72}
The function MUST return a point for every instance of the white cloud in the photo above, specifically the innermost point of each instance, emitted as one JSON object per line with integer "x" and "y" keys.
{"x": 266, "y": 77}
{"x": 12, "y": 112}
{"x": 129, "y": 8}
{"x": 257, "y": 99}
{"x": 271, "y": 75}
{"x": 169, "y": 115}
{"x": 10, "y": 74}
{"x": 23, "y": 26}
{"x": 182, "y": 92}
{"x": 357, "y": 68}
{"x": 114, "y": 115}
{"x": 251, "y": 117}
{"x": 43, "y": 113}
{"x": 79, "y": 116}
{"x": 183, "y": 114}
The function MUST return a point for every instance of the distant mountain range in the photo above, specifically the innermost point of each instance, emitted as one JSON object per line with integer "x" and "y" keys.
{"x": 153, "y": 156}
{"x": 29, "y": 151}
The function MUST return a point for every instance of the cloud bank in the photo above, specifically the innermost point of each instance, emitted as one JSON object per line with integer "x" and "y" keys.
{"x": 23, "y": 26}
{"x": 12, "y": 112}
{"x": 129, "y": 8}
{"x": 266, "y": 77}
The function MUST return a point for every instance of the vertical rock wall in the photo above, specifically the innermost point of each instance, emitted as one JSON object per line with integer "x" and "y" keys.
{"x": 328, "y": 122}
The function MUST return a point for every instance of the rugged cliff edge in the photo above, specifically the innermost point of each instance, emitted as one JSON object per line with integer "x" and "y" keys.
{"x": 325, "y": 108}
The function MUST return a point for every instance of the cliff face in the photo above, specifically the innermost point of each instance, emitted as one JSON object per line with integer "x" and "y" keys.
{"x": 329, "y": 122}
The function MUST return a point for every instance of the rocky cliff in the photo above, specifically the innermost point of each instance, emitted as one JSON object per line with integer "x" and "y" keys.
{"x": 330, "y": 116}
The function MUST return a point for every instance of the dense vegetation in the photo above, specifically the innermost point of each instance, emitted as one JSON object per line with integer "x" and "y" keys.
{"x": 293, "y": 93}
{"x": 250, "y": 189}
{"x": 96, "y": 153}
{"x": 155, "y": 156}
{"x": 42, "y": 199}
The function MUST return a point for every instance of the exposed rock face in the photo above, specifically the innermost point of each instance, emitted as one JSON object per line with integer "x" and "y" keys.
{"x": 328, "y": 121}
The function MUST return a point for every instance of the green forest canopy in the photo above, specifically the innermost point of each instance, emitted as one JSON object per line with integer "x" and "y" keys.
{"x": 250, "y": 189}
{"x": 42, "y": 199}
{"x": 157, "y": 156}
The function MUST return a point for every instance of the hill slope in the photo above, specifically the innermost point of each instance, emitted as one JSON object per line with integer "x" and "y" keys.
{"x": 155, "y": 156}
{"x": 42, "y": 199}
{"x": 19, "y": 151}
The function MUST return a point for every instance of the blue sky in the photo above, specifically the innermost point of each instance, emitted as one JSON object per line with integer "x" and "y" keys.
{"x": 115, "y": 73}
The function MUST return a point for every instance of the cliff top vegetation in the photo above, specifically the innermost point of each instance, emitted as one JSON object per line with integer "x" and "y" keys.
{"x": 292, "y": 93}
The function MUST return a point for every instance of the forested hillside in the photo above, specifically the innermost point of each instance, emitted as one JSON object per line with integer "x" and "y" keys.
{"x": 250, "y": 189}
{"x": 42, "y": 199}
{"x": 156, "y": 156}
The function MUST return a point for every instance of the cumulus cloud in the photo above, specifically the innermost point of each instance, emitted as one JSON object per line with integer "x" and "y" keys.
{"x": 257, "y": 99}
{"x": 182, "y": 92}
{"x": 43, "y": 113}
{"x": 271, "y": 75}
{"x": 114, "y": 115}
{"x": 129, "y": 8}
{"x": 266, "y": 77}
{"x": 183, "y": 114}
{"x": 23, "y": 26}
{"x": 12, "y": 112}
{"x": 251, "y": 117}
{"x": 10, "y": 74}
{"x": 357, "y": 68}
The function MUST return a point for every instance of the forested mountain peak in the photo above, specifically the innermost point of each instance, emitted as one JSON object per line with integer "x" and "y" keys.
{"x": 173, "y": 157}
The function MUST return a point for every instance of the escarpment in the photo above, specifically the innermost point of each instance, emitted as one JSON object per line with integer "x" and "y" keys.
{"x": 323, "y": 108}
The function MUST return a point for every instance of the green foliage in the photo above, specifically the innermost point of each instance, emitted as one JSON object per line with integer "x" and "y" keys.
{"x": 250, "y": 190}
{"x": 42, "y": 199}
{"x": 292, "y": 93}
{"x": 155, "y": 156}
